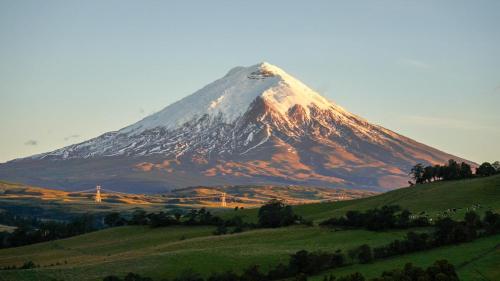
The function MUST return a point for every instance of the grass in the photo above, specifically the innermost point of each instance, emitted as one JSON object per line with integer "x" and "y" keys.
{"x": 433, "y": 198}
{"x": 166, "y": 252}
{"x": 477, "y": 260}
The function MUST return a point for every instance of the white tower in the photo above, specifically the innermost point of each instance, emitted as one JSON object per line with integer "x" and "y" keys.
{"x": 98, "y": 198}
{"x": 223, "y": 199}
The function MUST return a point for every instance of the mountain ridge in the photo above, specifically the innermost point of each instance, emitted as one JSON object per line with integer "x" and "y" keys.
{"x": 255, "y": 125}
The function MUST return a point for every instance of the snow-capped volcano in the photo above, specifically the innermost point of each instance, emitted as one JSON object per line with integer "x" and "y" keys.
{"x": 255, "y": 125}
{"x": 231, "y": 96}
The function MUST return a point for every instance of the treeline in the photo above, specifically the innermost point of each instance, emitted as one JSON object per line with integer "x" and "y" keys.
{"x": 271, "y": 215}
{"x": 9, "y": 218}
{"x": 300, "y": 264}
{"x": 447, "y": 232}
{"x": 387, "y": 217}
{"x": 42, "y": 231}
{"x": 452, "y": 171}
{"x": 30, "y": 230}
{"x": 304, "y": 263}
{"x": 440, "y": 270}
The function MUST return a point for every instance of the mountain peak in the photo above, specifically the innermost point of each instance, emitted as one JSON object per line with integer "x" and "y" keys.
{"x": 255, "y": 125}
{"x": 232, "y": 95}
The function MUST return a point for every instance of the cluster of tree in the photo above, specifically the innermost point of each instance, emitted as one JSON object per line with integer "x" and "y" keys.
{"x": 451, "y": 171}
{"x": 129, "y": 277}
{"x": 191, "y": 218}
{"x": 304, "y": 263}
{"x": 46, "y": 231}
{"x": 300, "y": 264}
{"x": 447, "y": 231}
{"x": 486, "y": 169}
{"x": 387, "y": 217}
{"x": 273, "y": 214}
{"x": 9, "y": 218}
{"x": 25, "y": 265}
{"x": 440, "y": 270}
{"x": 277, "y": 214}
{"x": 31, "y": 230}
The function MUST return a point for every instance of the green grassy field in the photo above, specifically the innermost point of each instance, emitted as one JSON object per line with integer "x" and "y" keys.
{"x": 478, "y": 260}
{"x": 166, "y": 252}
{"x": 433, "y": 198}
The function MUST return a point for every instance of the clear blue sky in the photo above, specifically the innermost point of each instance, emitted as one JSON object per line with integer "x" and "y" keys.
{"x": 71, "y": 70}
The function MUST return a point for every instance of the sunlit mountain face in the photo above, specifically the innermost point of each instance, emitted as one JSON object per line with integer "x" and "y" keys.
{"x": 255, "y": 125}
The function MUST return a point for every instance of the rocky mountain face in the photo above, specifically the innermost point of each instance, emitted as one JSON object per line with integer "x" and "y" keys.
{"x": 256, "y": 125}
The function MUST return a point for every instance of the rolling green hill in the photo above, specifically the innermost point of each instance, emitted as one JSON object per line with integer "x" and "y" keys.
{"x": 166, "y": 252}
{"x": 433, "y": 198}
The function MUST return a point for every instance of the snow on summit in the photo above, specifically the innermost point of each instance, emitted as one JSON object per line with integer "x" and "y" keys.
{"x": 231, "y": 96}
{"x": 243, "y": 128}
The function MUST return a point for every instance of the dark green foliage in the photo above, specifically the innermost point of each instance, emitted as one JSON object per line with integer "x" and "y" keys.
{"x": 309, "y": 263}
{"x": 135, "y": 277}
{"x": 114, "y": 219}
{"x": 412, "y": 243}
{"x": 161, "y": 219}
{"x": 221, "y": 229}
{"x": 353, "y": 277}
{"x": 440, "y": 271}
{"x": 253, "y": 274}
{"x": 301, "y": 277}
{"x": 417, "y": 173}
{"x": 129, "y": 277}
{"x": 447, "y": 231}
{"x": 486, "y": 169}
{"x": 189, "y": 275}
{"x": 139, "y": 217}
{"x": 112, "y": 278}
{"x": 28, "y": 265}
{"x": 281, "y": 271}
{"x": 387, "y": 217}
{"x": 365, "y": 254}
{"x": 450, "y": 171}
{"x": 276, "y": 214}
{"x": 47, "y": 230}
{"x": 491, "y": 223}
{"x": 224, "y": 276}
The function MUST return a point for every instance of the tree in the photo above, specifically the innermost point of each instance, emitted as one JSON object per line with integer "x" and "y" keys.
{"x": 139, "y": 217}
{"x": 438, "y": 172}
{"x": 452, "y": 170}
{"x": 365, "y": 254}
{"x": 496, "y": 165}
{"x": 428, "y": 174}
{"x": 486, "y": 169}
{"x": 301, "y": 277}
{"x": 253, "y": 274}
{"x": 189, "y": 275}
{"x": 472, "y": 220}
{"x": 417, "y": 173}
{"x": 356, "y": 276}
{"x": 299, "y": 261}
{"x": 276, "y": 214}
{"x": 114, "y": 219}
{"x": 465, "y": 171}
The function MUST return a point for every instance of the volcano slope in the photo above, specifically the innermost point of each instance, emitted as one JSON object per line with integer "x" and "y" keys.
{"x": 256, "y": 125}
